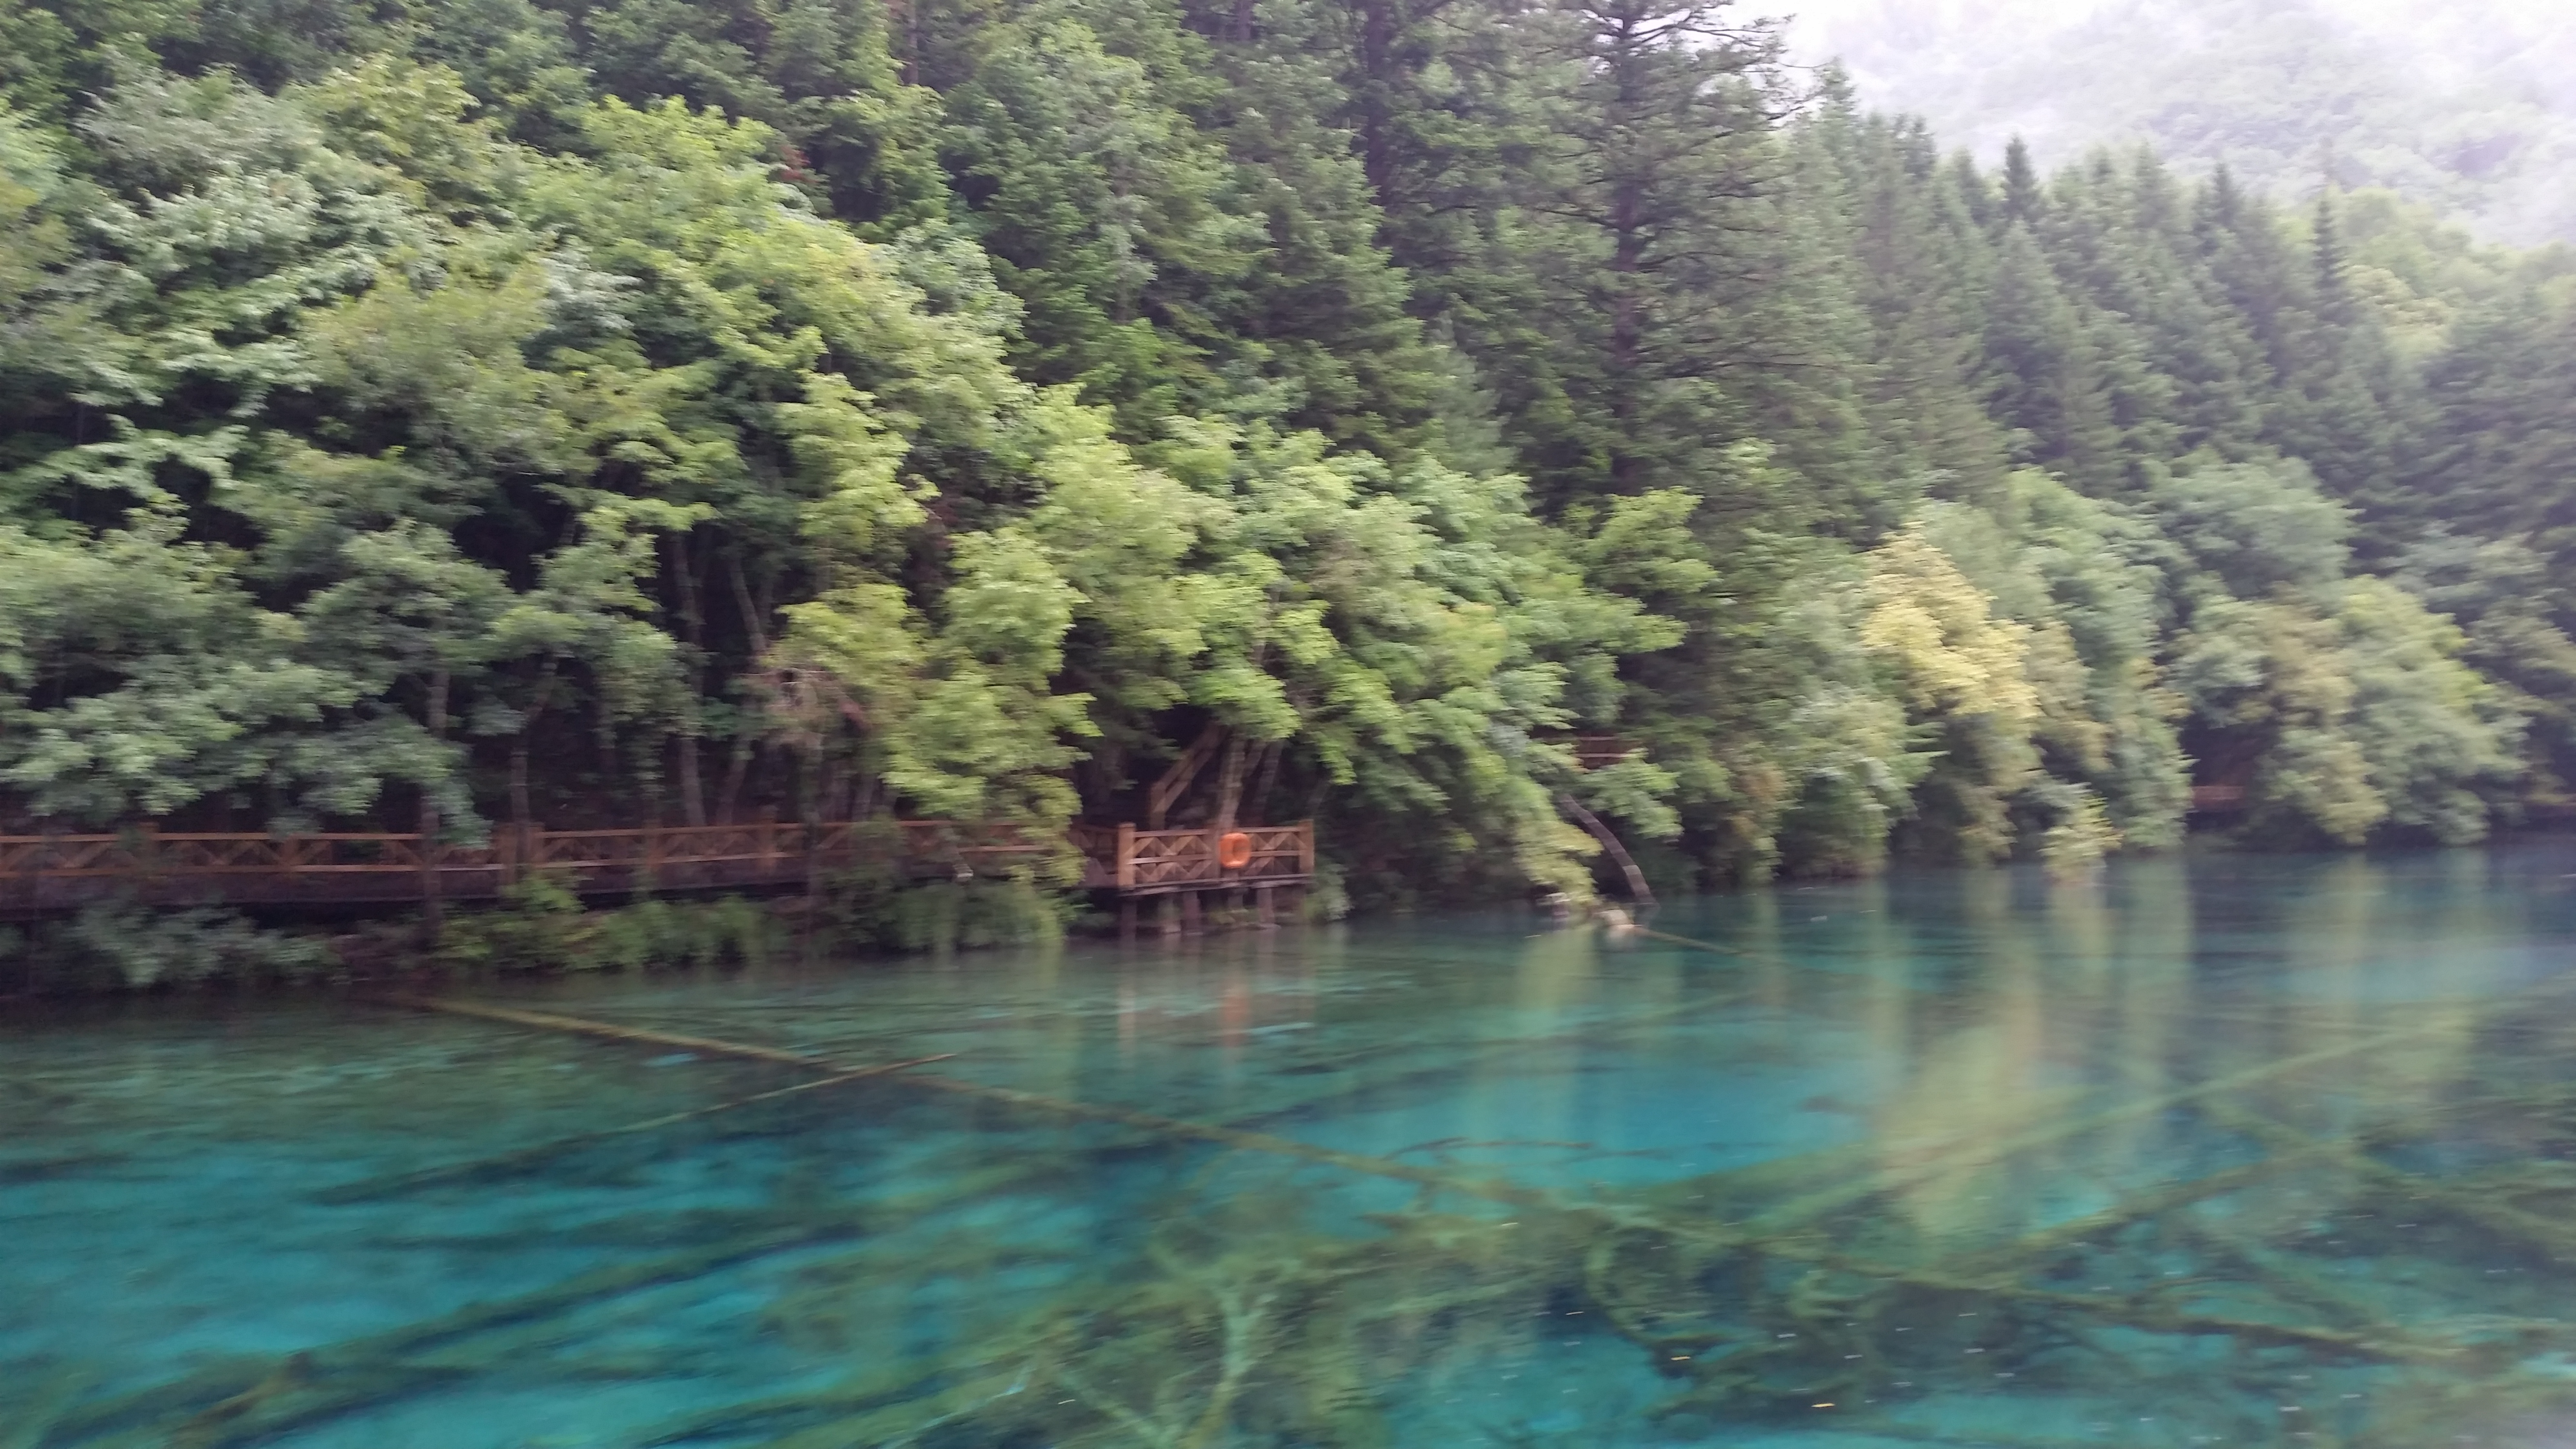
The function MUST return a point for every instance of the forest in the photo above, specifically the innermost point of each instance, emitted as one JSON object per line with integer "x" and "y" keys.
{"x": 471, "y": 411}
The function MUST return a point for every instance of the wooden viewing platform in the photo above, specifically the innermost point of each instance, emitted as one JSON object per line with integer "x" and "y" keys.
{"x": 41, "y": 874}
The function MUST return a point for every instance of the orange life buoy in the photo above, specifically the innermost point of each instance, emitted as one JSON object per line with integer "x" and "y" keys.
{"x": 1234, "y": 850}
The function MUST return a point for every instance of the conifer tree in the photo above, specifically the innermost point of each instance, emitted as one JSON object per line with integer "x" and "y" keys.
{"x": 2025, "y": 197}
{"x": 1637, "y": 228}
{"x": 2046, "y": 374}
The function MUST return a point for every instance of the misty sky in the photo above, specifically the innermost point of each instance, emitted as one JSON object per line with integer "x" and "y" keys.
{"x": 2466, "y": 105}
{"x": 2456, "y": 35}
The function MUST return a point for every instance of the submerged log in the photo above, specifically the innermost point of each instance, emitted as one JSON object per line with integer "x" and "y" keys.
{"x": 543, "y": 1152}
{"x": 1167, "y": 1126}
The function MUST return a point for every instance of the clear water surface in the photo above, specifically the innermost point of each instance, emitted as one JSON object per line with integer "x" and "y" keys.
{"x": 2221, "y": 1151}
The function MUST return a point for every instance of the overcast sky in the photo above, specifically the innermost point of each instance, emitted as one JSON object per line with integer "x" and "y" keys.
{"x": 2461, "y": 38}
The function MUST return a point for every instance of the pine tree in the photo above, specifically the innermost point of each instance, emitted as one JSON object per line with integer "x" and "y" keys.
{"x": 2346, "y": 405}
{"x": 1636, "y": 231}
{"x": 2506, "y": 463}
{"x": 1920, "y": 264}
{"x": 2046, "y": 376}
{"x": 2025, "y": 198}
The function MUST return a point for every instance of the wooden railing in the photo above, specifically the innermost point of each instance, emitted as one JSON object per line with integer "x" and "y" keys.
{"x": 1155, "y": 862}
{"x": 2217, "y": 799}
{"x": 1137, "y": 862}
{"x": 40, "y": 873}
{"x": 1595, "y": 751}
{"x": 50, "y": 872}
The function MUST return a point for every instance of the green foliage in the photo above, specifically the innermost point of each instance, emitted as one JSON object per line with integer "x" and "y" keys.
{"x": 132, "y": 948}
{"x": 492, "y": 411}
{"x": 2353, "y": 707}
{"x": 2073, "y": 848}
{"x": 948, "y": 915}
{"x": 543, "y": 927}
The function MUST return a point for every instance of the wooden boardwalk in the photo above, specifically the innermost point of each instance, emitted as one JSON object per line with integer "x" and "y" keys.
{"x": 42, "y": 874}
{"x": 1137, "y": 862}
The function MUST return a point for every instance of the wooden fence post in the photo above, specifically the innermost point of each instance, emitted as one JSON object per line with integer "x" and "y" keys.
{"x": 431, "y": 916}
{"x": 1125, "y": 865}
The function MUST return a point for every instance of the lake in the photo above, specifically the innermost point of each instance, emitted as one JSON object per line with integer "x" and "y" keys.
{"x": 2220, "y": 1150}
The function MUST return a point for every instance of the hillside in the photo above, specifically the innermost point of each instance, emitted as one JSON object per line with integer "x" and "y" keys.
{"x": 2470, "y": 107}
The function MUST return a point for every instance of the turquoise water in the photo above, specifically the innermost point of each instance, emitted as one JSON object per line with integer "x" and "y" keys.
{"x": 2235, "y": 1151}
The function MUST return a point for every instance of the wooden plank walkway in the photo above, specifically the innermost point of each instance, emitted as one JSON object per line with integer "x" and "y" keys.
{"x": 42, "y": 874}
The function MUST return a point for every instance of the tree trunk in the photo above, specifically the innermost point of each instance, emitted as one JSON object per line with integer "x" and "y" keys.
{"x": 1229, "y": 782}
{"x": 607, "y": 741}
{"x": 810, "y": 783}
{"x": 1627, "y": 226}
{"x": 1256, "y": 802}
{"x": 432, "y": 918}
{"x": 522, "y": 821}
{"x": 1167, "y": 791}
{"x": 522, "y": 816}
{"x": 693, "y": 790}
{"x": 1377, "y": 120}
{"x": 693, "y": 622}
{"x": 1638, "y": 890}
{"x": 754, "y": 617}
{"x": 731, "y": 795}
{"x": 757, "y": 632}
